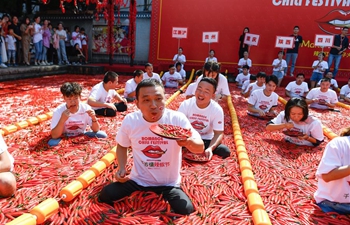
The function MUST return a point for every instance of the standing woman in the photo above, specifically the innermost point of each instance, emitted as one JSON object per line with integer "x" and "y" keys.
{"x": 76, "y": 37}
{"x": 38, "y": 41}
{"x": 243, "y": 47}
{"x": 179, "y": 57}
{"x": 61, "y": 50}
{"x": 27, "y": 32}
{"x": 46, "y": 41}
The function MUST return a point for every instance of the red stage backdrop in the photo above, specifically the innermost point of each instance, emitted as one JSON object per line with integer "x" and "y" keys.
{"x": 267, "y": 18}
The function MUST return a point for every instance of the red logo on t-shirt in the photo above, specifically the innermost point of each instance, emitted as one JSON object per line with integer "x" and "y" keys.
{"x": 74, "y": 127}
{"x": 154, "y": 152}
{"x": 198, "y": 125}
{"x": 263, "y": 107}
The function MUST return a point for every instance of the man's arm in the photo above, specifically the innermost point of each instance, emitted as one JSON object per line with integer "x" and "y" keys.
{"x": 337, "y": 173}
{"x": 58, "y": 130}
{"x": 252, "y": 109}
{"x": 288, "y": 93}
{"x": 194, "y": 145}
{"x": 122, "y": 156}
{"x": 5, "y": 162}
{"x": 216, "y": 140}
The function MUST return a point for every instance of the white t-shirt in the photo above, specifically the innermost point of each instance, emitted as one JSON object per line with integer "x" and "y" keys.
{"x": 243, "y": 62}
{"x": 255, "y": 87}
{"x": 205, "y": 121}
{"x": 336, "y": 154}
{"x": 3, "y": 150}
{"x": 62, "y": 33}
{"x": 83, "y": 39}
{"x": 241, "y": 78}
{"x": 260, "y": 101}
{"x": 190, "y": 89}
{"x": 297, "y": 90}
{"x": 130, "y": 86}
{"x": 155, "y": 76}
{"x": 76, "y": 39}
{"x": 281, "y": 66}
{"x": 11, "y": 42}
{"x": 222, "y": 85}
{"x": 38, "y": 35}
{"x": 208, "y": 59}
{"x": 330, "y": 97}
{"x": 245, "y": 84}
{"x": 345, "y": 90}
{"x": 157, "y": 160}
{"x": 311, "y": 126}
{"x": 99, "y": 94}
{"x": 182, "y": 72}
{"x": 171, "y": 80}
{"x": 334, "y": 83}
{"x": 181, "y": 59}
{"x": 321, "y": 67}
{"x": 76, "y": 123}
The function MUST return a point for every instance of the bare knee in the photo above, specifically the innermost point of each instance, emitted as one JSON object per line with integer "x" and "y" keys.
{"x": 7, "y": 184}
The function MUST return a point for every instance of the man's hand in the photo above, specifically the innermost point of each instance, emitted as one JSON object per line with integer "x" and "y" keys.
{"x": 65, "y": 115}
{"x": 289, "y": 125}
{"x": 111, "y": 106}
{"x": 261, "y": 113}
{"x": 304, "y": 137}
{"x": 208, "y": 153}
{"x": 120, "y": 176}
{"x": 91, "y": 113}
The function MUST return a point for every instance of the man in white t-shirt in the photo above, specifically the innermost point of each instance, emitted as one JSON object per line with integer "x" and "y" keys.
{"x": 7, "y": 178}
{"x": 333, "y": 173}
{"x": 172, "y": 79}
{"x": 334, "y": 83}
{"x": 344, "y": 91}
{"x": 157, "y": 160}
{"x": 259, "y": 84}
{"x": 297, "y": 88}
{"x": 245, "y": 75}
{"x": 130, "y": 86}
{"x": 102, "y": 95}
{"x": 252, "y": 79}
{"x": 181, "y": 71}
{"x": 72, "y": 117}
{"x": 207, "y": 117}
{"x": 262, "y": 102}
{"x": 279, "y": 65}
{"x": 244, "y": 61}
{"x": 149, "y": 73}
{"x": 322, "y": 97}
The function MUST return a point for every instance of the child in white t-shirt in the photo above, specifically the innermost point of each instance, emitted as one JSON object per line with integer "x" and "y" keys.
{"x": 103, "y": 94}
{"x": 296, "y": 118}
{"x": 130, "y": 86}
{"x": 172, "y": 79}
{"x": 72, "y": 117}
{"x": 334, "y": 83}
{"x": 11, "y": 47}
{"x": 297, "y": 88}
{"x": 181, "y": 71}
{"x": 156, "y": 160}
{"x": 319, "y": 67}
{"x": 322, "y": 97}
{"x": 207, "y": 117}
{"x": 259, "y": 84}
{"x": 262, "y": 102}
{"x": 333, "y": 173}
{"x": 344, "y": 91}
{"x": 149, "y": 73}
{"x": 7, "y": 178}
{"x": 279, "y": 65}
{"x": 252, "y": 79}
{"x": 242, "y": 77}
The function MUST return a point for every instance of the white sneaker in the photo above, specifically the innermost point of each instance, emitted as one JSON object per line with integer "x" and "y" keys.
{"x": 3, "y": 65}
{"x": 36, "y": 63}
{"x": 291, "y": 75}
{"x": 42, "y": 63}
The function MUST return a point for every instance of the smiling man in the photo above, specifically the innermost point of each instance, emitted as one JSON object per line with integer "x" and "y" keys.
{"x": 157, "y": 161}
{"x": 72, "y": 117}
{"x": 207, "y": 117}
{"x": 322, "y": 97}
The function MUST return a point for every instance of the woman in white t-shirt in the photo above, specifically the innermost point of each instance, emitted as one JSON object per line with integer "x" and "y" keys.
{"x": 211, "y": 57}
{"x": 179, "y": 57}
{"x": 76, "y": 36}
{"x": 299, "y": 127}
{"x": 333, "y": 173}
{"x": 7, "y": 179}
{"x": 38, "y": 41}
{"x": 319, "y": 67}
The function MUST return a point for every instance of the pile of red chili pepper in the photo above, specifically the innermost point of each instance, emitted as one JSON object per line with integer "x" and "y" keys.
{"x": 285, "y": 173}
{"x": 173, "y": 131}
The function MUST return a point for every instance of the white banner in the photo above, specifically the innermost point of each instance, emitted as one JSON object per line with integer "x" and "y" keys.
{"x": 179, "y": 32}
{"x": 251, "y": 39}
{"x": 284, "y": 42}
{"x": 324, "y": 40}
{"x": 210, "y": 37}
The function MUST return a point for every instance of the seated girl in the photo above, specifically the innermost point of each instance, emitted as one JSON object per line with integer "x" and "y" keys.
{"x": 299, "y": 127}
{"x": 333, "y": 174}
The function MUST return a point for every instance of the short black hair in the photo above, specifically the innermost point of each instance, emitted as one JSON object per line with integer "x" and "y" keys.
{"x": 272, "y": 78}
{"x": 347, "y": 28}
{"x": 301, "y": 74}
{"x": 212, "y": 67}
{"x": 36, "y": 16}
{"x": 245, "y": 67}
{"x": 261, "y": 74}
{"x": 178, "y": 64}
{"x": 200, "y": 72}
{"x": 147, "y": 83}
{"x": 171, "y": 66}
{"x": 82, "y": 29}
{"x": 281, "y": 52}
{"x": 75, "y": 28}
{"x": 110, "y": 76}
{"x": 211, "y": 81}
{"x": 181, "y": 48}
{"x": 325, "y": 79}
{"x": 211, "y": 50}
{"x": 69, "y": 89}
{"x": 296, "y": 102}
{"x": 296, "y": 27}
{"x": 322, "y": 53}
{"x": 148, "y": 64}
{"x": 137, "y": 73}
{"x": 252, "y": 77}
